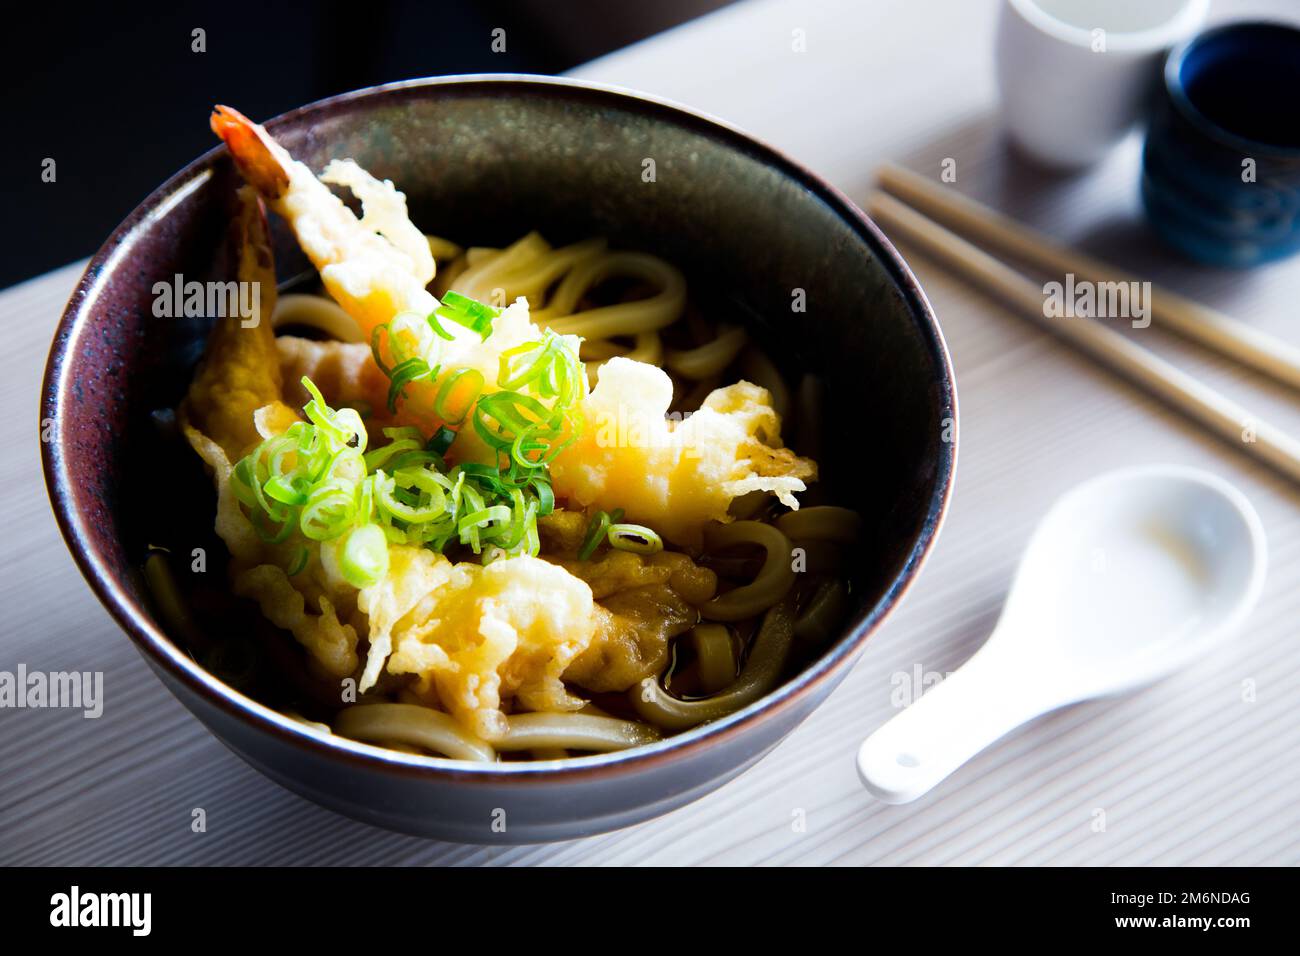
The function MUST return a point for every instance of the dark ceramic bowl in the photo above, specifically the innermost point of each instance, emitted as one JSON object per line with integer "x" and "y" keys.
{"x": 484, "y": 159}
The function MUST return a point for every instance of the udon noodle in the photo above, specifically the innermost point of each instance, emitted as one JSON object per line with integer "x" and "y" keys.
{"x": 428, "y": 509}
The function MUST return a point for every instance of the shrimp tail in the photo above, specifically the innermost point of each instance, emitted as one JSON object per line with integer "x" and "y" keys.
{"x": 251, "y": 236}
{"x": 254, "y": 152}
{"x": 239, "y": 376}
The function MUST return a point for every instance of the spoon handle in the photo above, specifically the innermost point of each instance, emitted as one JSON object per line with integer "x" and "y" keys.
{"x": 964, "y": 713}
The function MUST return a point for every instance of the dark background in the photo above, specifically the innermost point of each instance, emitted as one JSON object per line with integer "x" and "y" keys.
{"x": 115, "y": 95}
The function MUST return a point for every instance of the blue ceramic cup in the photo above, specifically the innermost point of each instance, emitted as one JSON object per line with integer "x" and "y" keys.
{"x": 1221, "y": 167}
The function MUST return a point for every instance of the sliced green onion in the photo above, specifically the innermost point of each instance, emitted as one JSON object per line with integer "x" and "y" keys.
{"x": 484, "y": 516}
{"x": 548, "y": 367}
{"x": 463, "y": 310}
{"x": 532, "y": 417}
{"x": 269, "y": 535}
{"x": 299, "y": 562}
{"x": 379, "y": 457}
{"x": 635, "y": 538}
{"x": 596, "y": 531}
{"x": 468, "y": 394}
{"x": 437, "y": 327}
{"x": 323, "y": 417}
{"x": 376, "y": 352}
{"x": 532, "y": 540}
{"x": 288, "y": 491}
{"x": 330, "y": 511}
{"x": 364, "y": 559}
{"x": 413, "y": 496}
{"x": 402, "y": 374}
{"x": 520, "y": 428}
{"x": 318, "y": 481}
{"x": 545, "y": 496}
{"x": 408, "y": 337}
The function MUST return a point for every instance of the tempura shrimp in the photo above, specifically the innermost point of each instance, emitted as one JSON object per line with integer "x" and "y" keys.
{"x": 617, "y": 451}
{"x": 233, "y": 403}
{"x": 372, "y": 276}
{"x": 376, "y": 267}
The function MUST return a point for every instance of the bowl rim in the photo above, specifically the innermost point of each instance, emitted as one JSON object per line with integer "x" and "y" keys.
{"x": 162, "y": 653}
{"x": 1176, "y": 89}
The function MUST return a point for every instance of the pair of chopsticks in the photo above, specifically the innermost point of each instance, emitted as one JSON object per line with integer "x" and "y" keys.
{"x": 910, "y": 214}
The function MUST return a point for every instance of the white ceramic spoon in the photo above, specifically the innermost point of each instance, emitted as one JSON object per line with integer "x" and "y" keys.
{"x": 1129, "y": 577}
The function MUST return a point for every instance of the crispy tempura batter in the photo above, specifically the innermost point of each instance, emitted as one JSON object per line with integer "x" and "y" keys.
{"x": 476, "y": 636}
{"x": 240, "y": 371}
{"x": 372, "y": 276}
{"x": 480, "y": 634}
{"x": 674, "y": 476}
{"x": 479, "y": 641}
{"x": 342, "y": 370}
{"x": 671, "y": 476}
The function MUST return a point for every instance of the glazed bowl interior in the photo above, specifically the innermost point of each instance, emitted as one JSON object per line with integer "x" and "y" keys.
{"x": 482, "y": 161}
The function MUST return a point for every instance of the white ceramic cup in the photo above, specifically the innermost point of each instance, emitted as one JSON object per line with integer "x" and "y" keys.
{"x": 1076, "y": 75}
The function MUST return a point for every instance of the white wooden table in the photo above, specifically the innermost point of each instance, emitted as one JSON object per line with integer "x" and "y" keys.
{"x": 1202, "y": 768}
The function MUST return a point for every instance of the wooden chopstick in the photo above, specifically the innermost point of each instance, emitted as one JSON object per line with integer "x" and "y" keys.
{"x": 1218, "y": 332}
{"x": 1224, "y": 417}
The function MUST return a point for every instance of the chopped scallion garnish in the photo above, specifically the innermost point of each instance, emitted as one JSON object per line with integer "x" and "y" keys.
{"x": 634, "y": 537}
{"x": 364, "y": 559}
{"x": 596, "y": 531}
{"x": 463, "y": 310}
{"x": 459, "y": 391}
{"x": 317, "y": 481}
